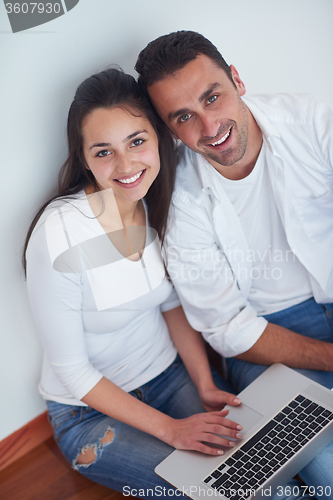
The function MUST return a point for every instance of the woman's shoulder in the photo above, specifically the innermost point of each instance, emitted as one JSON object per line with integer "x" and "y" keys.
{"x": 63, "y": 209}
{"x": 63, "y": 219}
{"x": 66, "y": 223}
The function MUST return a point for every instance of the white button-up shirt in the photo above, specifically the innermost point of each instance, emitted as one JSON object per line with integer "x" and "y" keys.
{"x": 205, "y": 244}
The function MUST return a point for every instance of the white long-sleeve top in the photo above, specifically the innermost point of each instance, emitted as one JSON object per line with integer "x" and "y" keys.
{"x": 206, "y": 242}
{"x": 98, "y": 313}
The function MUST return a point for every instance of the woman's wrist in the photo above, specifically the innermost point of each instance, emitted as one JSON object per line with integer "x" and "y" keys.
{"x": 164, "y": 429}
{"x": 205, "y": 384}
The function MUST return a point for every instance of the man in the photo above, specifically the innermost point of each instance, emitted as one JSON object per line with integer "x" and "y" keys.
{"x": 250, "y": 242}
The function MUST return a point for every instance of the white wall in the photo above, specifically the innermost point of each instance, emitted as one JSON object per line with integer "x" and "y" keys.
{"x": 276, "y": 45}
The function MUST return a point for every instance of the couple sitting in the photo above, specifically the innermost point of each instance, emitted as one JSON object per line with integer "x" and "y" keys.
{"x": 252, "y": 190}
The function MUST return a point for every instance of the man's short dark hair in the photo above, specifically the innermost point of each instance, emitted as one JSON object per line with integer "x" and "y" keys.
{"x": 172, "y": 52}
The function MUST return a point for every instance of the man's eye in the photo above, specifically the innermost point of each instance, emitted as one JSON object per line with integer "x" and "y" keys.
{"x": 137, "y": 142}
{"x": 211, "y": 99}
{"x": 102, "y": 153}
{"x": 184, "y": 118}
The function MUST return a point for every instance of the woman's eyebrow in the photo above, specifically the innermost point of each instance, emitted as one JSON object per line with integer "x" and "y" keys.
{"x": 100, "y": 145}
{"x": 128, "y": 138}
{"x": 131, "y": 136}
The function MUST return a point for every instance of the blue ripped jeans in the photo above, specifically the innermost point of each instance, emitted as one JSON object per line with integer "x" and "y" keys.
{"x": 127, "y": 463}
{"x": 315, "y": 321}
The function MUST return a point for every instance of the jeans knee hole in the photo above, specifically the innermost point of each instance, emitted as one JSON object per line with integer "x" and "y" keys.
{"x": 92, "y": 452}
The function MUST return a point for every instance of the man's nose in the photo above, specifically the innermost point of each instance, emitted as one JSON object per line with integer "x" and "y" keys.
{"x": 209, "y": 126}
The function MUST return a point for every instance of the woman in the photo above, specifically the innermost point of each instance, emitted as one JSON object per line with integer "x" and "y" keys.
{"x": 118, "y": 396}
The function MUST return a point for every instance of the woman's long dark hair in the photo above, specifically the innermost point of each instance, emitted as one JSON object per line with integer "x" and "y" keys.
{"x": 107, "y": 89}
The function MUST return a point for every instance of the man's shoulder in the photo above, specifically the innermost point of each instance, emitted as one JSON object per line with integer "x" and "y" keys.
{"x": 284, "y": 107}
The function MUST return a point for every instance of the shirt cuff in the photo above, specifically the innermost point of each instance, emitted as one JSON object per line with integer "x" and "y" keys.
{"x": 238, "y": 337}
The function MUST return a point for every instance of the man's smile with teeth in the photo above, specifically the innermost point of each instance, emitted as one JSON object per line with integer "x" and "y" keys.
{"x": 224, "y": 138}
{"x": 131, "y": 179}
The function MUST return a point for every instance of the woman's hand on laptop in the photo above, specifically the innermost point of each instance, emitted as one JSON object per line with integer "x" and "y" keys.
{"x": 203, "y": 432}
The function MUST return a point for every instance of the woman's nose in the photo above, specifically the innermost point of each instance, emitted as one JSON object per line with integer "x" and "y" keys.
{"x": 124, "y": 164}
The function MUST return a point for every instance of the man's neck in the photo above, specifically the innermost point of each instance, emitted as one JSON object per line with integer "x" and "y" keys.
{"x": 246, "y": 164}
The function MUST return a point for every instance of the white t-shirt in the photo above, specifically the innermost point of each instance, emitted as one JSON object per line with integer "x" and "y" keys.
{"x": 98, "y": 313}
{"x": 279, "y": 280}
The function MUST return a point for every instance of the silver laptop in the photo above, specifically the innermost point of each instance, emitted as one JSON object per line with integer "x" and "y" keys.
{"x": 287, "y": 419}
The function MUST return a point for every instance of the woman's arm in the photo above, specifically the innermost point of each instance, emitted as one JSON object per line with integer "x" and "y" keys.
{"x": 190, "y": 346}
{"x": 56, "y": 300}
{"x": 187, "y": 433}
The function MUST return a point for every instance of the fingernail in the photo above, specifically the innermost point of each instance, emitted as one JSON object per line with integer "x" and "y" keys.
{"x": 237, "y": 401}
{"x": 239, "y": 427}
{"x": 220, "y": 452}
{"x": 238, "y": 435}
{"x": 232, "y": 444}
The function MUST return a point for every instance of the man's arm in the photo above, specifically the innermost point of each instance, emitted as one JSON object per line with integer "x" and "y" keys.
{"x": 217, "y": 307}
{"x": 280, "y": 345}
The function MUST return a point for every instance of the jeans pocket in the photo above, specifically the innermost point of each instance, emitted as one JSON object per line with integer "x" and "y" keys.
{"x": 62, "y": 417}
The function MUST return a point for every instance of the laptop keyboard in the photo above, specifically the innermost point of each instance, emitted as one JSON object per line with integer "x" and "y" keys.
{"x": 271, "y": 447}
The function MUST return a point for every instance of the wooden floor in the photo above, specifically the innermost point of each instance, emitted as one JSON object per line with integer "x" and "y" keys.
{"x": 44, "y": 474}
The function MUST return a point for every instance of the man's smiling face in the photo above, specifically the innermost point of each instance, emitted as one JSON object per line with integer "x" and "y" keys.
{"x": 203, "y": 108}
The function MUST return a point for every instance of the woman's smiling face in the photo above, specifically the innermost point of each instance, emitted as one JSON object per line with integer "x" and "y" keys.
{"x": 120, "y": 147}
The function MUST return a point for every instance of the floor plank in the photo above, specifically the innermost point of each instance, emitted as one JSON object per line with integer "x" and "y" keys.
{"x": 44, "y": 474}
{"x": 24, "y": 440}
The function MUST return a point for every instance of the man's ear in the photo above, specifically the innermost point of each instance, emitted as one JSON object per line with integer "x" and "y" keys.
{"x": 237, "y": 80}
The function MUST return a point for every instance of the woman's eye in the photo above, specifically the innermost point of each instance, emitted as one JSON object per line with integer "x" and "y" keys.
{"x": 184, "y": 118}
{"x": 102, "y": 153}
{"x": 212, "y": 99}
{"x": 137, "y": 142}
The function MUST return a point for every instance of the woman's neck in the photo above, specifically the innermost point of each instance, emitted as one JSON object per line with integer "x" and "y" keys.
{"x": 112, "y": 211}
{"x": 132, "y": 214}
{"x": 117, "y": 219}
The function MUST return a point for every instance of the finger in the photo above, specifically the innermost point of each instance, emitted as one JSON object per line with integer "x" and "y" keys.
{"x": 219, "y": 399}
{"x": 231, "y": 424}
{"x": 225, "y": 421}
{"x": 222, "y": 430}
{"x": 224, "y": 413}
{"x": 218, "y": 413}
{"x": 225, "y": 398}
{"x": 213, "y": 418}
{"x": 221, "y": 440}
{"x": 231, "y": 399}
{"x": 208, "y": 450}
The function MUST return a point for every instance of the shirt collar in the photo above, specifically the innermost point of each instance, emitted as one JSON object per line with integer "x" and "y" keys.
{"x": 205, "y": 173}
{"x": 267, "y": 128}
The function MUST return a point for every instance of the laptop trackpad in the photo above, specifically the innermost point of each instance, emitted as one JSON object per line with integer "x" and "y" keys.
{"x": 244, "y": 415}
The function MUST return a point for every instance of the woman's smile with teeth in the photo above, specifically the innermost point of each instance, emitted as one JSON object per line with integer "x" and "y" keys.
{"x": 131, "y": 179}
{"x": 225, "y": 137}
